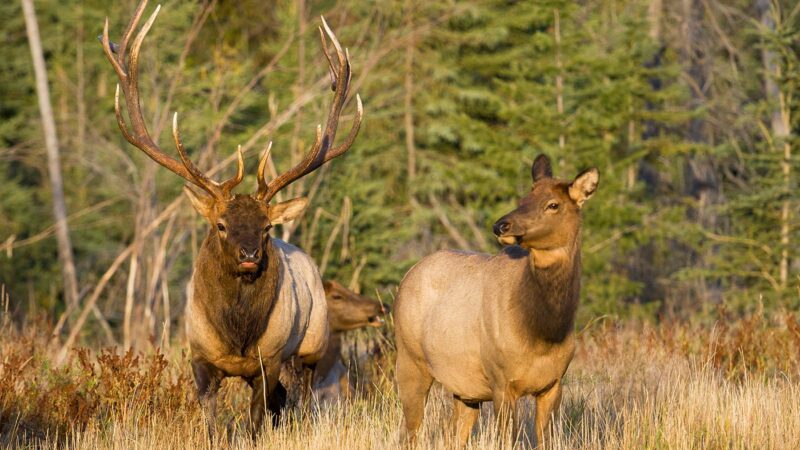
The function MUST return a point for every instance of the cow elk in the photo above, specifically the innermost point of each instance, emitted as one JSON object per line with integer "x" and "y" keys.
{"x": 253, "y": 301}
{"x": 346, "y": 311}
{"x": 497, "y": 327}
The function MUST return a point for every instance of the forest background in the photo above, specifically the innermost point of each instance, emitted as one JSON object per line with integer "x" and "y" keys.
{"x": 689, "y": 108}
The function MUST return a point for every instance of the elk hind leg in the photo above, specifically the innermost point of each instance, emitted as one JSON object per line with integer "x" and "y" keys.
{"x": 464, "y": 416}
{"x": 413, "y": 384}
{"x": 309, "y": 371}
{"x": 276, "y": 401}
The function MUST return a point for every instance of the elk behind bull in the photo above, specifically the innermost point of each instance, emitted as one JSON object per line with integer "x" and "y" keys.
{"x": 346, "y": 311}
{"x": 495, "y": 328}
{"x": 254, "y": 301}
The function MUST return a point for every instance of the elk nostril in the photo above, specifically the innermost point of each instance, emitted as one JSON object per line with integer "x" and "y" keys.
{"x": 501, "y": 227}
{"x": 245, "y": 255}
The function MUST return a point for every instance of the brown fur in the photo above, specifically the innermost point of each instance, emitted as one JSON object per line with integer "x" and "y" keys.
{"x": 497, "y": 327}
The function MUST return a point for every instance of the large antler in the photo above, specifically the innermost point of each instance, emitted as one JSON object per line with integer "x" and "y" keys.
{"x": 128, "y": 73}
{"x": 320, "y": 151}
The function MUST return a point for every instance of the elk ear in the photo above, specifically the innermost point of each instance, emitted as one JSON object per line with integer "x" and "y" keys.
{"x": 584, "y": 186}
{"x": 202, "y": 203}
{"x": 288, "y": 210}
{"x": 541, "y": 168}
{"x": 327, "y": 285}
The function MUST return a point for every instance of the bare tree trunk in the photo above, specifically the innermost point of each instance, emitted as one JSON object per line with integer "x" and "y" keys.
{"x": 80, "y": 88}
{"x": 779, "y": 121}
{"x": 129, "y": 296}
{"x": 654, "y": 13}
{"x": 559, "y": 79}
{"x": 53, "y": 162}
{"x": 702, "y": 180}
{"x": 408, "y": 102}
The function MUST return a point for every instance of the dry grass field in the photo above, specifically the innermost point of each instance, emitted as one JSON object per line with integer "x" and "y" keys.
{"x": 735, "y": 384}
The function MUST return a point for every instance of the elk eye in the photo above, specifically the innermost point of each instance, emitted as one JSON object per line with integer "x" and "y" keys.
{"x": 552, "y": 206}
{"x": 221, "y": 227}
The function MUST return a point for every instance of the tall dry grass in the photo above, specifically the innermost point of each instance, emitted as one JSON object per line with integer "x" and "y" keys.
{"x": 732, "y": 385}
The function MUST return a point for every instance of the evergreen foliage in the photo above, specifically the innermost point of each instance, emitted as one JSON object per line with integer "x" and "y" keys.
{"x": 669, "y": 101}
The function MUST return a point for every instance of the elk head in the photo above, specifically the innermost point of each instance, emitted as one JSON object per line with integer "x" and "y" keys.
{"x": 239, "y": 223}
{"x": 549, "y": 216}
{"x": 350, "y": 311}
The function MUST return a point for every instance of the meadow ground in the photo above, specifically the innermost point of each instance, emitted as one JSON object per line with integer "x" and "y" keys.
{"x": 735, "y": 384}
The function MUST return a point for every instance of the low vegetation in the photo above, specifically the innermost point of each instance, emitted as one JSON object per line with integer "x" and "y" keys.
{"x": 630, "y": 386}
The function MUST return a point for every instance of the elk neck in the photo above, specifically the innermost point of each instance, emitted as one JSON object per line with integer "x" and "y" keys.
{"x": 549, "y": 293}
{"x": 238, "y": 306}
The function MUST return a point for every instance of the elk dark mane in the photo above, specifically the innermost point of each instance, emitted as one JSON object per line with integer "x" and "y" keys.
{"x": 550, "y": 313}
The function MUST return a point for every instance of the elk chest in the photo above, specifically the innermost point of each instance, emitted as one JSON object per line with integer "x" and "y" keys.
{"x": 243, "y": 317}
{"x": 529, "y": 368}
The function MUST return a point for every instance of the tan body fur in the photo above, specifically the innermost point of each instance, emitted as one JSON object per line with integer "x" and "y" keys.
{"x": 476, "y": 350}
{"x": 497, "y": 327}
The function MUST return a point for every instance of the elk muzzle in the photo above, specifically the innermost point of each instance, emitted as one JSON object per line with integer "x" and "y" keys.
{"x": 504, "y": 230}
{"x": 249, "y": 258}
{"x": 377, "y": 320}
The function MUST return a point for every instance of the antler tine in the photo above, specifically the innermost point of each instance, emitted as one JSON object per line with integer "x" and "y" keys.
{"x": 134, "y": 22}
{"x": 331, "y": 67}
{"x": 219, "y": 190}
{"x": 228, "y": 185}
{"x": 133, "y": 68}
{"x": 198, "y": 178}
{"x": 320, "y": 152}
{"x": 339, "y": 54}
{"x": 109, "y": 53}
{"x": 262, "y": 167}
{"x": 128, "y": 73}
{"x": 351, "y": 136}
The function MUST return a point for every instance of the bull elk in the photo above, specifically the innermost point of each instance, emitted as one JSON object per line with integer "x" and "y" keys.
{"x": 253, "y": 301}
{"x": 497, "y": 327}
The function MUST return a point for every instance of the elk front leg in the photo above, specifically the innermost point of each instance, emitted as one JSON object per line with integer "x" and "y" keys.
{"x": 258, "y": 404}
{"x": 268, "y": 395}
{"x": 505, "y": 411}
{"x": 546, "y": 404}
{"x": 207, "y": 379}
